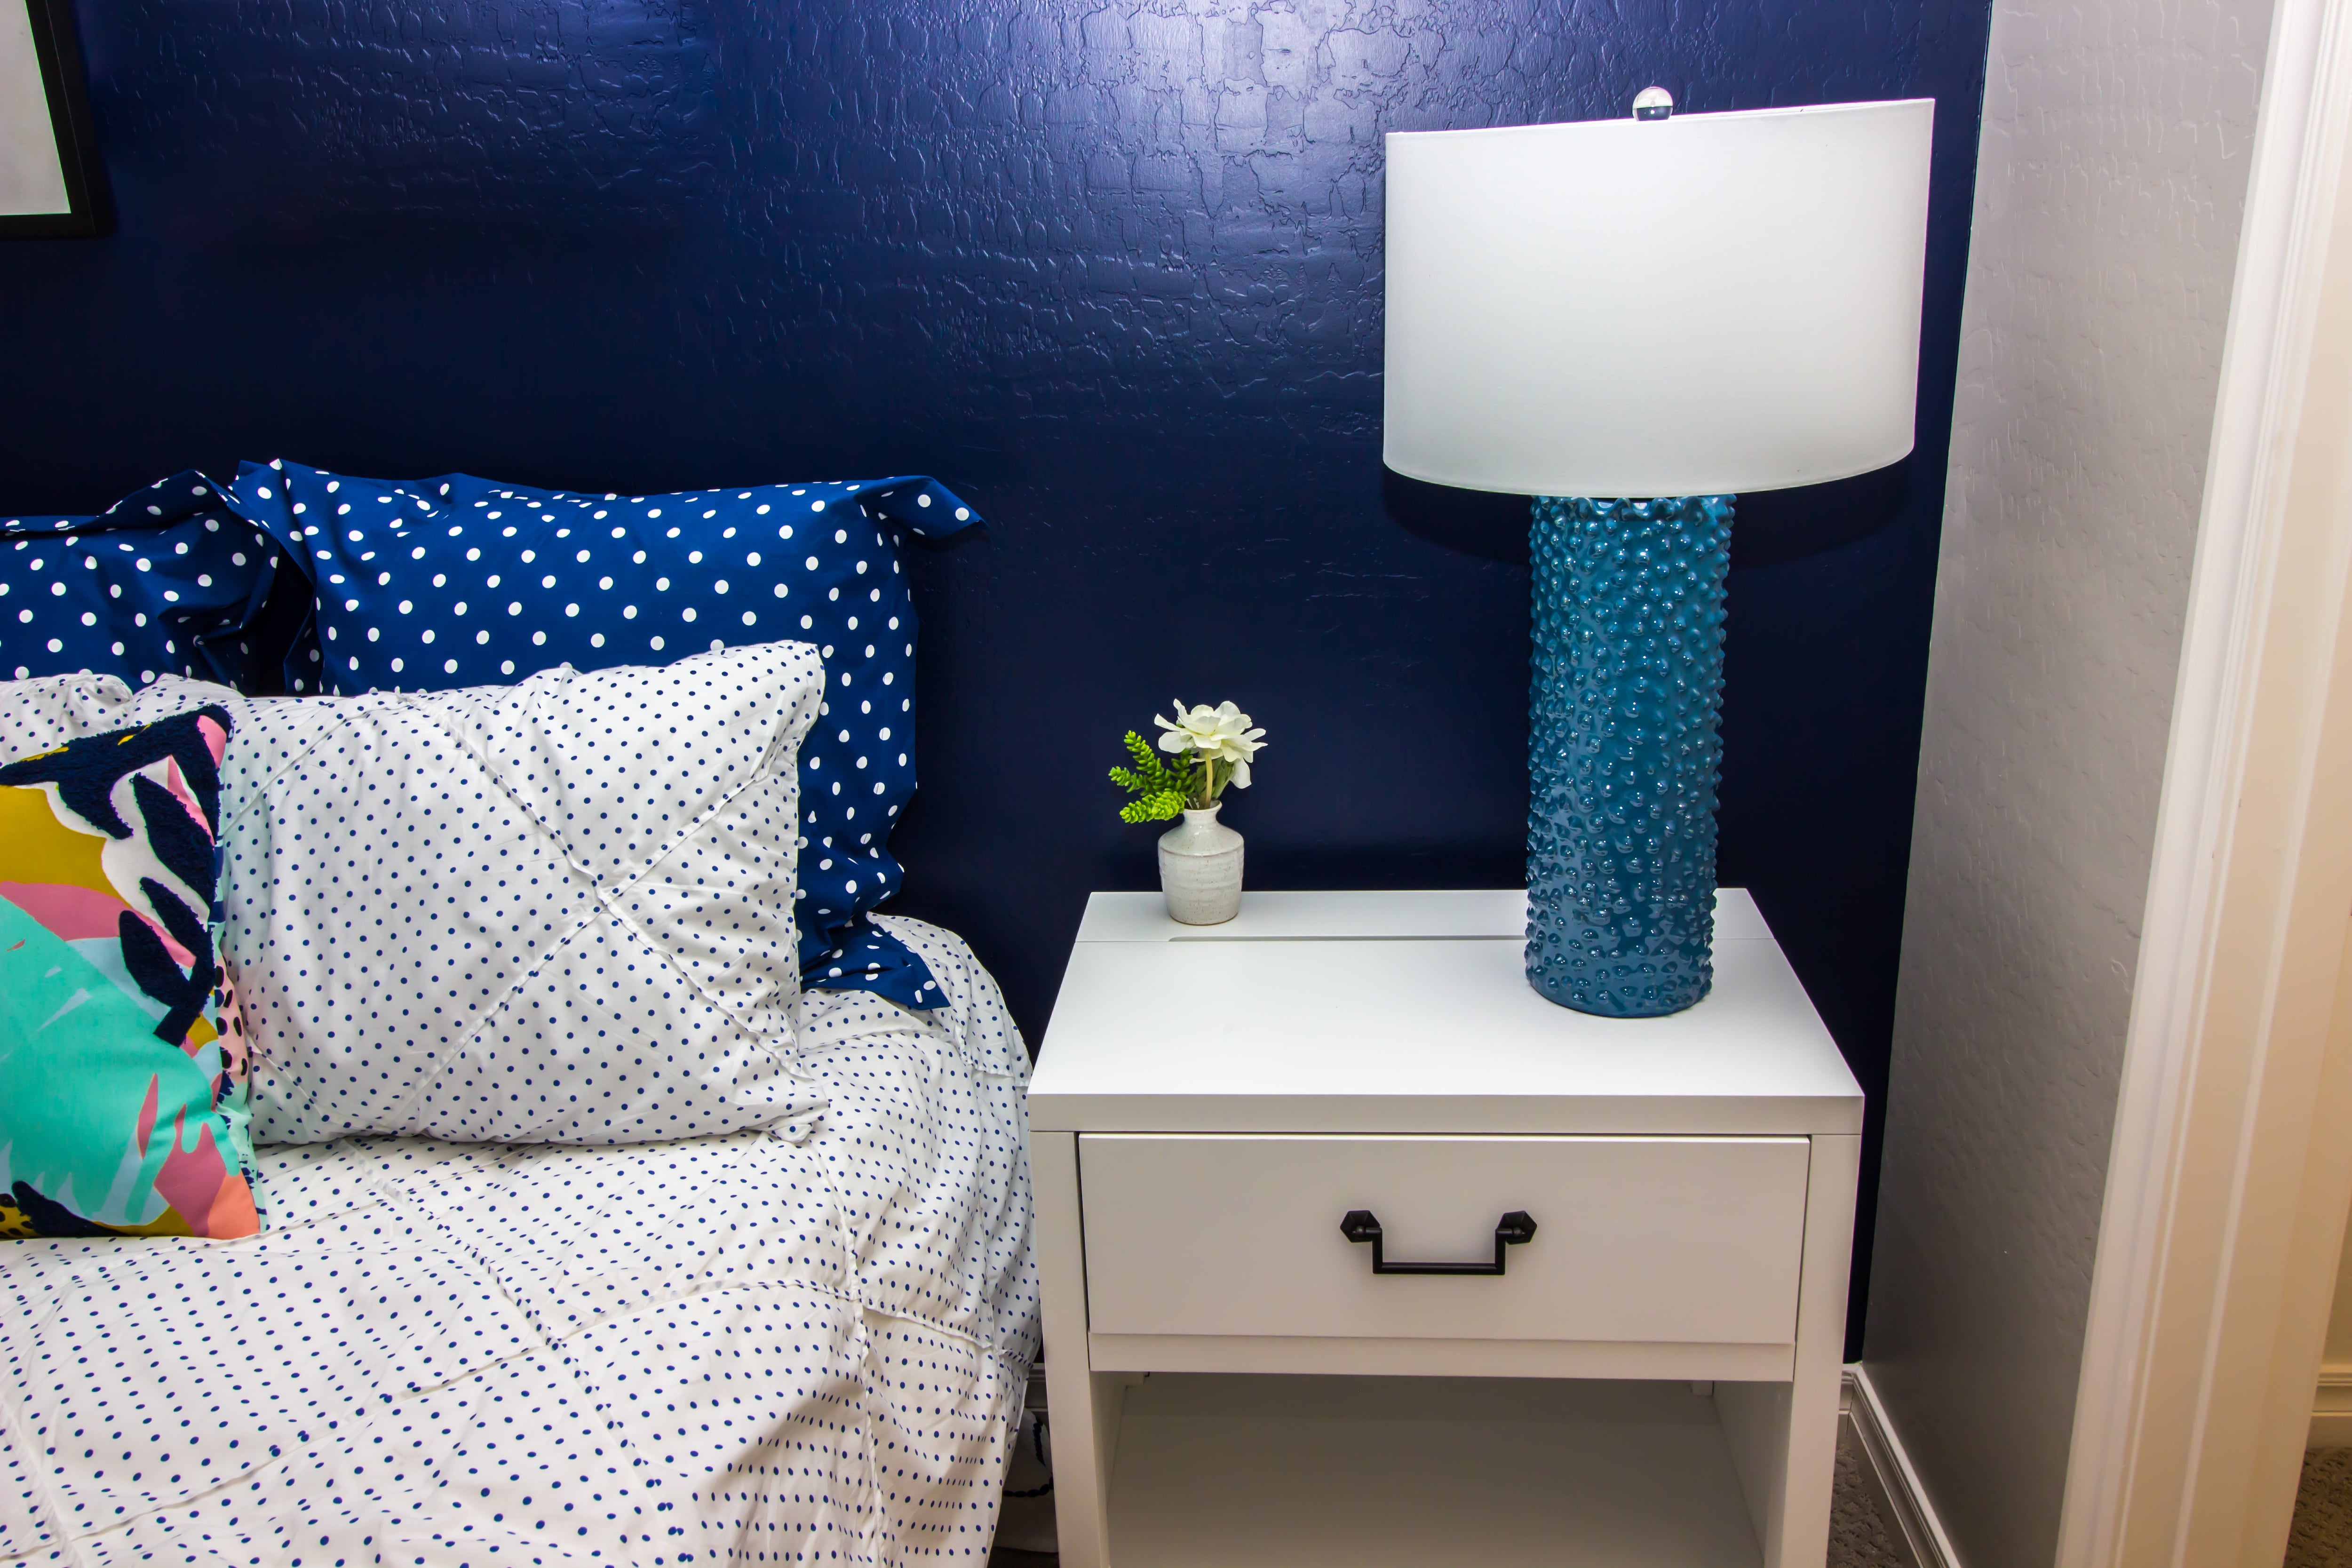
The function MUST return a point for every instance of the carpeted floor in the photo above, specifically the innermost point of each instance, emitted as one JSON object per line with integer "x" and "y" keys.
{"x": 1858, "y": 1537}
{"x": 2321, "y": 1536}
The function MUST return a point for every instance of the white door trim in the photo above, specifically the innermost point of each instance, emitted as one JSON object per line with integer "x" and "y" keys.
{"x": 2204, "y": 1302}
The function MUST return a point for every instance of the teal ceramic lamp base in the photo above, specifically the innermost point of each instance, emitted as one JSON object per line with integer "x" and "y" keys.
{"x": 1624, "y": 751}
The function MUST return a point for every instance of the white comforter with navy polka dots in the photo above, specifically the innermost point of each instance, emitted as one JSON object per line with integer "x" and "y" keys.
{"x": 728, "y": 1350}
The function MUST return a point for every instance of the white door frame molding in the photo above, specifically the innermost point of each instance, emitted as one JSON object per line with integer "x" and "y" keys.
{"x": 2225, "y": 1212}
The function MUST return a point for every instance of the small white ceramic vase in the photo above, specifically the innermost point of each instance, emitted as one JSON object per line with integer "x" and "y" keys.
{"x": 1200, "y": 869}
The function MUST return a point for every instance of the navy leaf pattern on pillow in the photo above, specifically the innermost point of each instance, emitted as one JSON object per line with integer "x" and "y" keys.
{"x": 85, "y": 773}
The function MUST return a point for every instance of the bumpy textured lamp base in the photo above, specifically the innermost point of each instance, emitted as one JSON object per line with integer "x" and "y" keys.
{"x": 1624, "y": 751}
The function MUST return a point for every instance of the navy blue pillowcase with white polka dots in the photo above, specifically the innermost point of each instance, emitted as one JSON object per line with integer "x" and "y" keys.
{"x": 428, "y": 585}
{"x": 166, "y": 581}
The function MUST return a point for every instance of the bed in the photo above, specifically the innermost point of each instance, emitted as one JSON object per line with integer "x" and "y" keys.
{"x": 768, "y": 1347}
{"x": 639, "y": 1194}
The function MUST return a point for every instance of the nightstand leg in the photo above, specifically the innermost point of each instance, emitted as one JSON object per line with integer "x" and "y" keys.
{"x": 1084, "y": 1406}
{"x": 1783, "y": 1435}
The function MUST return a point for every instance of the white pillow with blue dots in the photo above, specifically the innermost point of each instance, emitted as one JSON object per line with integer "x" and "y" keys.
{"x": 429, "y": 584}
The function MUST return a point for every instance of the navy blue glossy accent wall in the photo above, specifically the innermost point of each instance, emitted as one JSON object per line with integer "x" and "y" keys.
{"x": 1112, "y": 270}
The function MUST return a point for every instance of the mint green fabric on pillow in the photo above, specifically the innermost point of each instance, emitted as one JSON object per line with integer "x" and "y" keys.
{"x": 120, "y": 1035}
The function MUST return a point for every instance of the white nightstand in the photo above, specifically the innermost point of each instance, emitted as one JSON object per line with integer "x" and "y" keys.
{"x": 1211, "y": 1105}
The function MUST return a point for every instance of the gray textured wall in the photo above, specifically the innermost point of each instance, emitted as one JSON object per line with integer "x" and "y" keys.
{"x": 2111, "y": 176}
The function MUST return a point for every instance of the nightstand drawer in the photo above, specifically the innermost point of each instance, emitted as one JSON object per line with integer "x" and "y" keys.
{"x": 1688, "y": 1241}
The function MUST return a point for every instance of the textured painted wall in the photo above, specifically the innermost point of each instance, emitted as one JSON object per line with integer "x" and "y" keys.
{"x": 1113, "y": 270}
{"x": 2112, "y": 174}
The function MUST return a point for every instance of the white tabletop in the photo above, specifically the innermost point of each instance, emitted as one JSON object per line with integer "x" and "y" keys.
{"x": 1409, "y": 1012}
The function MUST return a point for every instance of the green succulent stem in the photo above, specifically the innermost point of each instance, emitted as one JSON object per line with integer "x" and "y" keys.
{"x": 1160, "y": 792}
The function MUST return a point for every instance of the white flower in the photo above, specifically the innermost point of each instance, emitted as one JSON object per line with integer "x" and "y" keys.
{"x": 1221, "y": 734}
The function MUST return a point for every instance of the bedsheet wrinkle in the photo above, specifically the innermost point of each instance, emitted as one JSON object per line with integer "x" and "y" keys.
{"x": 742, "y": 1349}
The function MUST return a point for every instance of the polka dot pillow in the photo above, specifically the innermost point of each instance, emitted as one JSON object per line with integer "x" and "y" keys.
{"x": 47, "y": 711}
{"x": 555, "y": 911}
{"x": 168, "y": 580}
{"x": 431, "y": 584}
{"x": 352, "y": 842}
{"x": 547, "y": 911}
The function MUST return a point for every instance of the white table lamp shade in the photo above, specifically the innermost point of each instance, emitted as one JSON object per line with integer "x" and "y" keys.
{"x": 1701, "y": 305}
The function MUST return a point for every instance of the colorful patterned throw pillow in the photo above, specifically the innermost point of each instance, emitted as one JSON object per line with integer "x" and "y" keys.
{"x": 119, "y": 1037}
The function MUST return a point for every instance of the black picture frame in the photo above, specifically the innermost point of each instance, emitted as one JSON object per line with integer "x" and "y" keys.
{"x": 58, "y": 50}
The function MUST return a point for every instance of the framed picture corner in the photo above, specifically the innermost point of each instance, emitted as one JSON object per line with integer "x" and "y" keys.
{"x": 52, "y": 183}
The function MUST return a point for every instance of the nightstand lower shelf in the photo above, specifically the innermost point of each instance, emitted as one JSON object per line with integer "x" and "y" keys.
{"x": 1230, "y": 1471}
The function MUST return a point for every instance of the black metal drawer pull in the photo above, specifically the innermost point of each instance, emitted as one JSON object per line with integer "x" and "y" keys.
{"x": 1513, "y": 1228}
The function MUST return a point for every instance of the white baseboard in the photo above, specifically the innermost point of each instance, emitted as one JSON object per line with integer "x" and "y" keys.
{"x": 1887, "y": 1470}
{"x": 1902, "y": 1504}
{"x": 2331, "y": 1408}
